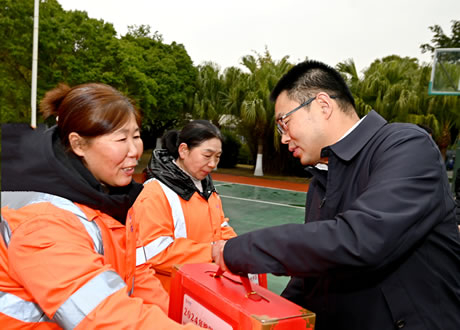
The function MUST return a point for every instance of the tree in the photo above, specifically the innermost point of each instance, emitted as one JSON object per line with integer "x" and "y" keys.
{"x": 350, "y": 74}
{"x": 445, "y": 108}
{"x": 209, "y": 94}
{"x": 441, "y": 40}
{"x": 257, "y": 111}
{"x": 396, "y": 87}
{"x": 75, "y": 49}
{"x": 71, "y": 46}
{"x": 235, "y": 87}
{"x": 160, "y": 77}
{"x": 388, "y": 86}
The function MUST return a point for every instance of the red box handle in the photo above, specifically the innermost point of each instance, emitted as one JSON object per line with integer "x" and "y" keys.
{"x": 250, "y": 293}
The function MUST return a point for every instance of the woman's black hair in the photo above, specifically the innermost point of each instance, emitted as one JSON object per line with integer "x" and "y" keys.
{"x": 193, "y": 134}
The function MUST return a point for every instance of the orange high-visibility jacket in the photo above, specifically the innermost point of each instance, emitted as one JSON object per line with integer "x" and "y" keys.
{"x": 65, "y": 265}
{"x": 176, "y": 231}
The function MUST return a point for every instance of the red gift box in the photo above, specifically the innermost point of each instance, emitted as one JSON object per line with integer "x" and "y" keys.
{"x": 230, "y": 302}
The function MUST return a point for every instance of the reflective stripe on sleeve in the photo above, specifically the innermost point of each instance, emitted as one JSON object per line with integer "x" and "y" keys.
{"x": 91, "y": 226}
{"x": 18, "y": 199}
{"x": 177, "y": 212}
{"x": 21, "y": 309}
{"x": 153, "y": 248}
{"x": 150, "y": 250}
{"x": 149, "y": 180}
{"x": 5, "y": 231}
{"x": 87, "y": 298}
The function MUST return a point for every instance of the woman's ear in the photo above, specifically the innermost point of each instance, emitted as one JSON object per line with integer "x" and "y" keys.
{"x": 183, "y": 150}
{"x": 76, "y": 144}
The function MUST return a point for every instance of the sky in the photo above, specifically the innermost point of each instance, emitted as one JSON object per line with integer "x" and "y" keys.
{"x": 330, "y": 31}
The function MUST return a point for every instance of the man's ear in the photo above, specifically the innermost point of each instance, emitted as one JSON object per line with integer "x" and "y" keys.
{"x": 76, "y": 144}
{"x": 326, "y": 104}
{"x": 183, "y": 150}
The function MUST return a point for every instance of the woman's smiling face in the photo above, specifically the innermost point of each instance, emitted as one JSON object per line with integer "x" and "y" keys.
{"x": 112, "y": 157}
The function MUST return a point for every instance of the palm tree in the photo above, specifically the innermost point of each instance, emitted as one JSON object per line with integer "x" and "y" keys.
{"x": 208, "y": 99}
{"x": 397, "y": 88}
{"x": 349, "y": 72}
{"x": 257, "y": 110}
{"x": 234, "y": 82}
{"x": 446, "y": 109}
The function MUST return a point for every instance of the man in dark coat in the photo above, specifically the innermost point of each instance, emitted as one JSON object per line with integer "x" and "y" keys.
{"x": 380, "y": 248}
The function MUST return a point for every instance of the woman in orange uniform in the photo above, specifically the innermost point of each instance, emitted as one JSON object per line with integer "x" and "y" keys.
{"x": 179, "y": 209}
{"x": 67, "y": 251}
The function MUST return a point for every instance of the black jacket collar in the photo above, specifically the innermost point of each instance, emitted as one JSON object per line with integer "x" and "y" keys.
{"x": 162, "y": 168}
{"x": 349, "y": 146}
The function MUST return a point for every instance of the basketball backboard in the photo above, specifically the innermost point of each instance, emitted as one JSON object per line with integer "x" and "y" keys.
{"x": 445, "y": 73}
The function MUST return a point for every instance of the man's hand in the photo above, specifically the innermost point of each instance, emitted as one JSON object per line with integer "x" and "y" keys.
{"x": 218, "y": 254}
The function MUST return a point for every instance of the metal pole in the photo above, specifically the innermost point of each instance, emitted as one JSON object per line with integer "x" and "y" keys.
{"x": 33, "y": 99}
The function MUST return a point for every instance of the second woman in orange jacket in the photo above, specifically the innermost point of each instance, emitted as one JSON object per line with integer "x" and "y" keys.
{"x": 179, "y": 210}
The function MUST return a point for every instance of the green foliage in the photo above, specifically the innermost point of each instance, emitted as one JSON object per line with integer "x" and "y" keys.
{"x": 238, "y": 98}
{"x": 235, "y": 84}
{"x": 230, "y": 149}
{"x": 257, "y": 111}
{"x": 71, "y": 48}
{"x": 15, "y": 59}
{"x": 169, "y": 90}
{"x": 245, "y": 156}
{"x": 441, "y": 40}
{"x": 160, "y": 77}
{"x": 396, "y": 87}
{"x": 388, "y": 86}
{"x": 75, "y": 49}
{"x": 208, "y": 100}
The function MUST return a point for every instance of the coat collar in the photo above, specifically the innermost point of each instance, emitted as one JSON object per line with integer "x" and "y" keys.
{"x": 162, "y": 168}
{"x": 349, "y": 146}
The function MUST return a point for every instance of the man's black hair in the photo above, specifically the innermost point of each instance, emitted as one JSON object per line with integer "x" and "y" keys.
{"x": 307, "y": 78}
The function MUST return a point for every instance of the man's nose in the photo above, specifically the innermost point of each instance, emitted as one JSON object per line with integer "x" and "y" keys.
{"x": 285, "y": 138}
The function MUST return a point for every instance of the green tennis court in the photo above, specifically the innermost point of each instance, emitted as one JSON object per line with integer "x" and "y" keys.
{"x": 252, "y": 207}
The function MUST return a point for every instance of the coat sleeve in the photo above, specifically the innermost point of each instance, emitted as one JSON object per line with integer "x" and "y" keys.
{"x": 53, "y": 258}
{"x": 149, "y": 288}
{"x": 157, "y": 233}
{"x": 403, "y": 200}
{"x": 227, "y": 231}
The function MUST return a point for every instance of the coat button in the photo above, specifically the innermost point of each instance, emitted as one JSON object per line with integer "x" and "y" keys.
{"x": 400, "y": 324}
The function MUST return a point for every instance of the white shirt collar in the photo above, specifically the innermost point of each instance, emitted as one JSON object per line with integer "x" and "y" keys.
{"x": 352, "y": 128}
{"x": 324, "y": 167}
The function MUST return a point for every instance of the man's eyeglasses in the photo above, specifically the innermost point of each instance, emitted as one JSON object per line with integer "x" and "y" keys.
{"x": 281, "y": 126}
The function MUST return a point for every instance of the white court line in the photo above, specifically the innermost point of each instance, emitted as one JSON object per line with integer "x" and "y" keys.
{"x": 253, "y": 185}
{"x": 257, "y": 201}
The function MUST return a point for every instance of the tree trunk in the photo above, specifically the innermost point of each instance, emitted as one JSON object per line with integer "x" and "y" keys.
{"x": 158, "y": 144}
{"x": 258, "y": 170}
{"x": 444, "y": 141}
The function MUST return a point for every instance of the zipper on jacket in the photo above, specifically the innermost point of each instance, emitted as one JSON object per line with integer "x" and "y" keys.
{"x": 322, "y": 202}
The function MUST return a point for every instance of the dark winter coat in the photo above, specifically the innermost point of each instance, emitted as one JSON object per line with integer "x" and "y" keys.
{"x": 380, "y": 248}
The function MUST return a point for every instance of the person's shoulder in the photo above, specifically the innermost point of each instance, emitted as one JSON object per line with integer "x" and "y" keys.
{"x": 152, "y": 189}
{"x": 404, "y": 131}
{"x": 406, "y": 136}
{"x": 151, "y": 185}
